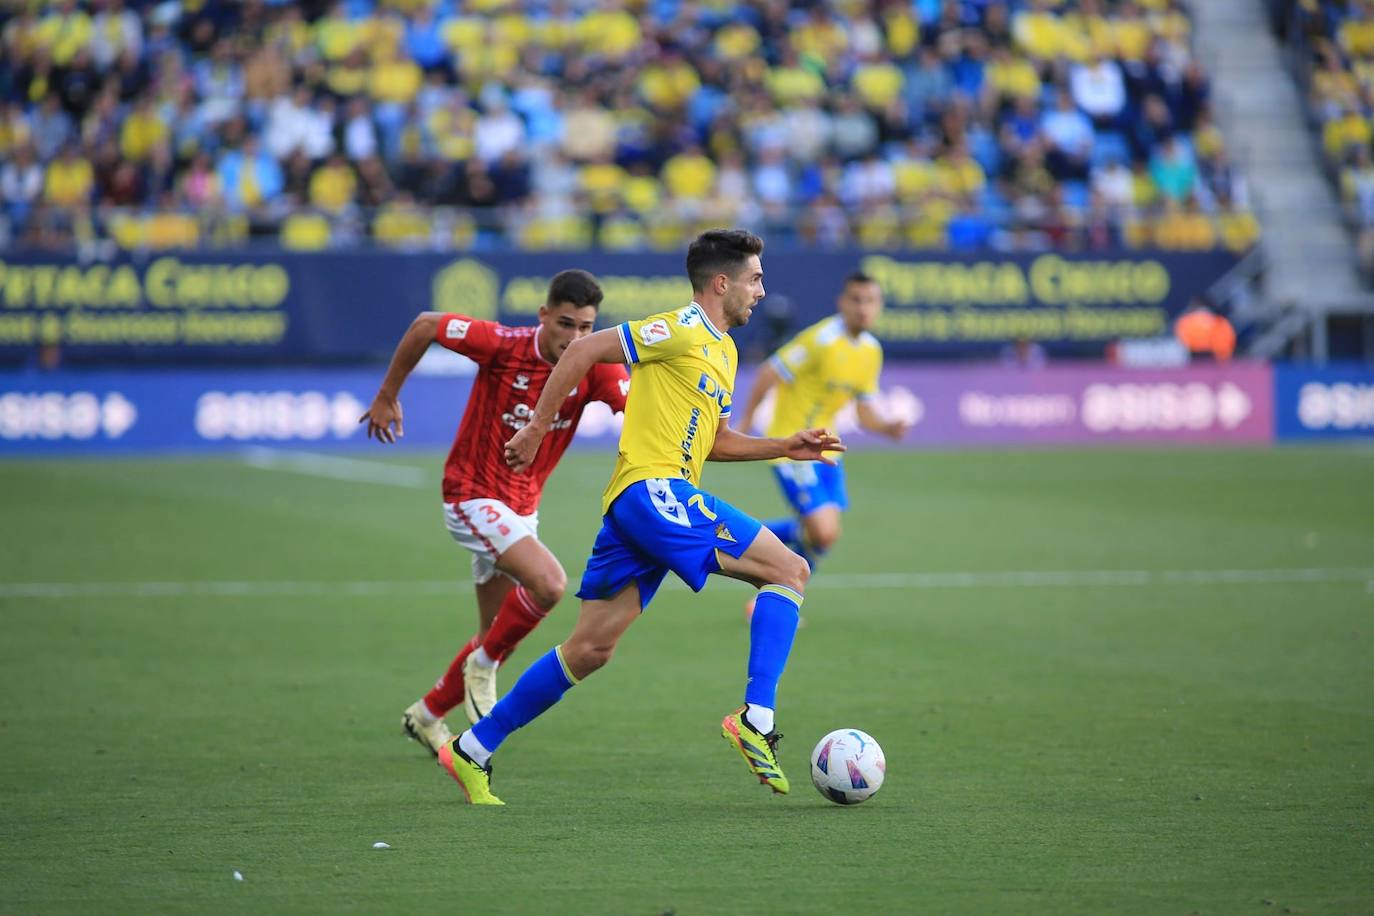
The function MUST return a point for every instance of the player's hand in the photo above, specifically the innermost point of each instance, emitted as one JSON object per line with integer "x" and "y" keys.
{"x": 896, "y": 429}
{"x": 811, "y": 445}
{"x": 522, "y": 447}
{"x": 381, "y": 417}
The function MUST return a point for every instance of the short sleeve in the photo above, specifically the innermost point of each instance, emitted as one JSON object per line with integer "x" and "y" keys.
{"x": 471, "y": 337}
{"x": 611, "y": 386}
{"x": 653, "y": 338}
{"x": 793, "y": 357}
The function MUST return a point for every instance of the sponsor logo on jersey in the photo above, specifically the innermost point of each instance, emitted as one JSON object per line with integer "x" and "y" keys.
{"x": 714, "y": 390}
{"x": 688, "y": 316}
{"x": 654, "y": 332}
{"x": 521, "y": 383}
{"x": 457, "y": 328}
{"x": 518, "y": 417}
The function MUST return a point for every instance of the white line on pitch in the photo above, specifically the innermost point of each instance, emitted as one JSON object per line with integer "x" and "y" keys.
{"x": 335, "y": 467}
{"x": 916, "y": 581}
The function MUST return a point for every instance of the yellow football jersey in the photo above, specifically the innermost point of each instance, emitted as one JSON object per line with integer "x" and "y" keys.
{"x": 682, "y": 381}
{"x": 822, "y": 370}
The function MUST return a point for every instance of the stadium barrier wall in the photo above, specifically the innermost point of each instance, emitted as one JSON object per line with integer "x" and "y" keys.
{"x": 1324, "y": 403}
{"x": 318, "y": 409}
{"x": 351, "y": 307}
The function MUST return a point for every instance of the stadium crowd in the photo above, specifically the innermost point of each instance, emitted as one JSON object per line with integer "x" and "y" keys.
{"x": 1333, "y": 45}
{"x": 960, "y": 124}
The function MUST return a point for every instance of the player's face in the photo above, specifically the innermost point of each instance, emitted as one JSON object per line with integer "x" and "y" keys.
{"x": 562, "y": 324}
{"x": 743, "y": 292}
{"x": 859, "y": 305}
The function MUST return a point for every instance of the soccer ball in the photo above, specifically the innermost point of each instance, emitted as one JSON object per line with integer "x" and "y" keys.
{"x": 848, "y": 766}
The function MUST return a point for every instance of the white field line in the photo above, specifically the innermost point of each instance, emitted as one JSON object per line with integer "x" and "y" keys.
{"x": 335, "y": 467}
{"x": 1119, "y": 578}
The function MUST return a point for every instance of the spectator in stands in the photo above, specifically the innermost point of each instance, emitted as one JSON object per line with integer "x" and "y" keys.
{"x": 672, "y": 113}
{"x": 21, "y": 185}
{"x": 1070, "y": 140}
{"x": 1100, "y": 91}
{"x": 249, "y": 176}
{"x": 1173, "y": 171}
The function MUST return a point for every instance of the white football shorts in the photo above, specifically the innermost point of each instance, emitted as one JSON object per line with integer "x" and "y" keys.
{"x": 487, "y": 528}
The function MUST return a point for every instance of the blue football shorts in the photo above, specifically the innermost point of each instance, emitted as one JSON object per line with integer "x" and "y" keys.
{"x": 809, "y": 485}
{"x": 659, "y": 525}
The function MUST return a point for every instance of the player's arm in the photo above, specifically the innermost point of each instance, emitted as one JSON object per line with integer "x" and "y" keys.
{"x": 601, "y": 347}
{"x": 385, "y": 412}
{"x": 764, "y": 381}
{"x": 806, "y": 445}
{"x": 873, "y": 422}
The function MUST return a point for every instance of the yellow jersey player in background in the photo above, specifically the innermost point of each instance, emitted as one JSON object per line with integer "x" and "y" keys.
{"x": 656, "y": 518}
{"x": 819, "y": 372}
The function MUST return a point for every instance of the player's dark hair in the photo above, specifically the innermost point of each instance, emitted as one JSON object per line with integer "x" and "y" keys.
{"x": 858, "y": 276}
{"x": 720, "y": 251}
{"x": 575, "y": 286}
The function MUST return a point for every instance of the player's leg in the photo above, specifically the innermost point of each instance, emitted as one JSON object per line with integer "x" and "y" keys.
{"x": 423, "y": 720}
{"x": 600, "y": 624}
{"x": 781, "y": 576}
{"x": 618, "y": 581}
{"x": 829, "y": 499}
{"x": 795, "y": 491}
{"x": 539, "y": 582}
{"x": 451, "y": 688}
{"x": 820, "y": 529}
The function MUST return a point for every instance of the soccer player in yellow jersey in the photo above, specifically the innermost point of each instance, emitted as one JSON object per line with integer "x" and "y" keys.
{"x": 656, "y": 518}
{"x": 820, "y": 371}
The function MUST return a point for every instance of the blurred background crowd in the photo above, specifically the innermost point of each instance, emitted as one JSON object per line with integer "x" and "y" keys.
{"x": 1010, "y": 125}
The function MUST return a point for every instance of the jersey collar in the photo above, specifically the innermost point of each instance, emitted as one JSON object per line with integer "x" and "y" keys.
{"x": 538, "y": 353}
{"x": 706, "y": 320}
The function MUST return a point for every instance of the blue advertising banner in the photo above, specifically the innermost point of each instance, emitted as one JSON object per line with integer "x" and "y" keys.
{"x": 281, "y": 307}
{"x": 316, "y": 411}
{"x": 1324, "y": 403}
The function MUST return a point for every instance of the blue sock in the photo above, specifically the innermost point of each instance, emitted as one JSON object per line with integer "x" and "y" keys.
{"x": 542, "y": 685}
{"x": 770, "y": 640}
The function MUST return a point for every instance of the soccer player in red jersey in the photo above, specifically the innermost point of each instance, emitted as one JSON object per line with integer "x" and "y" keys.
{"x": 489, "y": 509}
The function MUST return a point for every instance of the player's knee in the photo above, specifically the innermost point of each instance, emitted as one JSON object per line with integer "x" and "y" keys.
{"x": 826, "y": 537}
{"x": 587, "y": 654}
{"x": 794, "y": 572}
{"x": 548, "y": 587}
{"x": 823, "y": 533}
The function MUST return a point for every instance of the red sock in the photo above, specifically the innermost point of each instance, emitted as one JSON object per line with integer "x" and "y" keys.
{"x": 448, "y": 690}
{"x": 517, "y": 617}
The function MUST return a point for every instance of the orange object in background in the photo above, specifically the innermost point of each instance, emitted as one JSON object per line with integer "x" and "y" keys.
{"x": 1207, "y": 333}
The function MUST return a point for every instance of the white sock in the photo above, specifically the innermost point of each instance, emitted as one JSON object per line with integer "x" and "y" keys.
{"x": 469, "y": 745}
{"x": 481, "y": 659}
{"x": 427, "y": 717}
{"x": 760, "y": 718}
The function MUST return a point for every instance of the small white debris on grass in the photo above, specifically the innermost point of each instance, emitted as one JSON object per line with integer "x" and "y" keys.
{"x": 380, "y": 845}
{"x": 238, "y": 875}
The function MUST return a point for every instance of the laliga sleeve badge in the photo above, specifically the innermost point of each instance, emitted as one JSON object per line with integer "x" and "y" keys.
{"x": 654, "y": 332}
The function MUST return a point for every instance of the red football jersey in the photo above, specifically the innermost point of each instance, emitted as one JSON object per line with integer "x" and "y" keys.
{"x": 511, "y": 374}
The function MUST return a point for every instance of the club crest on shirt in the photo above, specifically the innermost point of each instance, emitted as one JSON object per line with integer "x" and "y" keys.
{"x": 654, "y": 332}
{"x": 723, "y": 533}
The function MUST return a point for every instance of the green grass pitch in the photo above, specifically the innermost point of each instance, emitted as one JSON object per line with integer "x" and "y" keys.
{"x": 1149, "y": 741}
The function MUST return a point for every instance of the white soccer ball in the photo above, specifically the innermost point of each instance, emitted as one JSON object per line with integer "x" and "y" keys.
{"x": 848, "y": 766}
